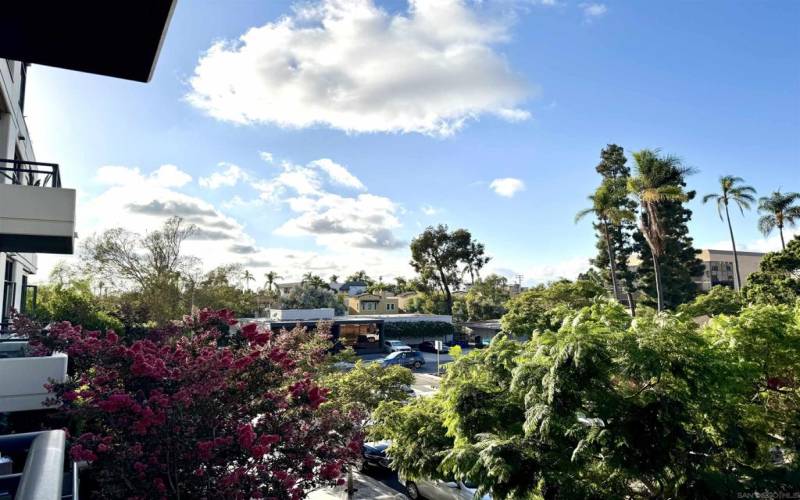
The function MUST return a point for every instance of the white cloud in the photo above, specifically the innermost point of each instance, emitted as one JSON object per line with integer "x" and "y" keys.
{"x": 228, "y": 177}
{"x": 593, "y": 10}
{"x": 266, "y": 156}
{"x": 140, "y": 202}
{"x": 429, "y": 210}
{"x": 338, "y": 173}
{"x": 350, "y": 65}
{"x": 507, "y": 186}
{"x": 165, "y": 176}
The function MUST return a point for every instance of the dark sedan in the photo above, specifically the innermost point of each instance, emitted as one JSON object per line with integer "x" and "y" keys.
{"x": 374, "y": 455}
{"x": 428, "y": 346}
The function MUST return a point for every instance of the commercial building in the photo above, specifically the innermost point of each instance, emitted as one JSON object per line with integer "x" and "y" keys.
{"x": 720, "y": 268}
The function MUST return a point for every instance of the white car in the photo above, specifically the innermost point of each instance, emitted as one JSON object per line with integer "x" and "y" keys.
{"x": 434, "y": 489}
{"x": 395, "y": 346}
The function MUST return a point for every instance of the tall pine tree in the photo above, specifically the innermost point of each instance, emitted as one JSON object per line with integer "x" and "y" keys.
{"x": 679, "y": 263}
{"x": 615, "y": 173}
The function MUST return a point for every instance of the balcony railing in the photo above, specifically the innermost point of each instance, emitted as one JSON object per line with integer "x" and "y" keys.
{"x": 30, "y": 173}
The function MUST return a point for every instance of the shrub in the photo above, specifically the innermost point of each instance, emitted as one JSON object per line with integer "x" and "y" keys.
{"x": 417, "y": 329}
{"x": 175, "y": 415}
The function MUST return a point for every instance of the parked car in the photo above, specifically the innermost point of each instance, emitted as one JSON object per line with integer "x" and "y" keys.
{"x": 409, "y": 359}
{"x": 395, "y": 346}
{"x": 374, "y": 455}
{"x": 429, "y": 346}
{"x": 434, "y": 489}
{"x": 460, "y": 343}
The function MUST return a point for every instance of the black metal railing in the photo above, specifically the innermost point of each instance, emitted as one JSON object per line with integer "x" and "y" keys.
{"x": 30, "y": 173}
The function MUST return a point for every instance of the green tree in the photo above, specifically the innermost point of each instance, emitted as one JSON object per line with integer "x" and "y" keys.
{"x": 310, "y": 296}
{"x": 247, "y": 277}
{"x": 366, "y": 385}
{"x": 617, "y": 231}
{"x": 474, "y": 261}
{"x": 152, "y": 265}
{"x": 607, "y": 407}
{"x": 663, "y": 238}
{"x": 777, "y": 280}
{"x": 74, "y": 301}
{"x": 780, "y": 210}
{"x": 314, "y": 281}
{"x": 606, "y": 207}
{"x": 718, "y": 300}
{"x": 437, "y": 255}
{"x": 543, "y": 307}
{"x": 360, "y": 277}
{"x": 731, "y": 191}
{"x": 486, "y": 298}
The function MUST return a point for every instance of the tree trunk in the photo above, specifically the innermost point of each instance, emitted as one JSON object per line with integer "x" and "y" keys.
{"x": 631, "y": 303}
{"x": 733, "y": 244}
{"x": 611, "y": 260}
{"x": 783, "y": 243}
{"x": 657, "y": 273}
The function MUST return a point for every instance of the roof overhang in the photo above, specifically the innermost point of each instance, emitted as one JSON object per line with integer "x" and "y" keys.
{"x": 121, "y": 39}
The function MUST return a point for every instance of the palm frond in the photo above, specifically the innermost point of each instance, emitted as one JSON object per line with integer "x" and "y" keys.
{"x": 766, "y": 224}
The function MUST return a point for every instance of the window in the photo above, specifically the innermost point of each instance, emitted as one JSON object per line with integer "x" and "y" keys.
{"x": 9, "y": 292}
{"x": 369, "y": 306}
{"x": 390, "y": 307}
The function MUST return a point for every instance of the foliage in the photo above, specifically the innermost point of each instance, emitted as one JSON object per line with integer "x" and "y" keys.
{"x": 544, "y": 307}
{"x": 718, "y": 300}
{"x": 486, "y": 298}
{"x": 176, "y": 416}
{"x": 435, "y": 303}
{"x": 610, "y": 407}
{"x": 360, "y": 277}
{"x": 417, "y": 329}
{"x": 663, "y": 231}
{"x": 309, "y": 296}
{"x": 74, "y": 302}
{"x": 152, "y": 264}
{"x": 219, "y": 289}
{"x": 780, "y": 210}
{"x": 441, "y": 257}
{"x": 367, "y": 385}
{"x": 731, "y": 191}
{"x": 777, "y": 280}
{"x": 615, "y": 224}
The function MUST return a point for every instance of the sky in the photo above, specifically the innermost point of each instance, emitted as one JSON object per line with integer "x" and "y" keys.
{"x": 324, "y": 135}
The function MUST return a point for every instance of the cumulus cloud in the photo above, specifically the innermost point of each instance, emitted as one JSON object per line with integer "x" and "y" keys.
{"x": 507, "y": 186}
{"x": 350, "y": 65}
{"x": 166, "y": 176}
{"x": 593, "y": 10}
{"x": 338, "y": 174}
{"x": 228, "y": 177}
{"x": 139, "y": 202}
{"x": 429, "y": 210}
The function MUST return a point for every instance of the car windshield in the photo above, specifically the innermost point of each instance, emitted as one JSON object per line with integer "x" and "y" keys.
{"x": 393, "y": 355}
{"x": 395, "y": 342}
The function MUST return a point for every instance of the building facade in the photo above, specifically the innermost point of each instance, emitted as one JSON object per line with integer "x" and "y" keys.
{"x": 15, "y": 144}
{"x": 720, "y": 268}
{"x": 370, "y": 303}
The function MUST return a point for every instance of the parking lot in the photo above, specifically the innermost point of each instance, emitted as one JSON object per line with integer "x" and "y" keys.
{"x": 430, "y": 360}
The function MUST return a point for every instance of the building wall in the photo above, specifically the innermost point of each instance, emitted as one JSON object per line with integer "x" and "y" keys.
{"x": 14, "y": 141}
{"x": 383, "y": 304}
{"x": 720, "y": 269}
{"x": 403, "y": 300}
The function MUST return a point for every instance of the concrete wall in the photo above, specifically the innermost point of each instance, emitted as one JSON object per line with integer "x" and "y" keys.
{"x": 325, "y": 313}
{"x": 723, "y": 259}
{"x": 14, "y": 138}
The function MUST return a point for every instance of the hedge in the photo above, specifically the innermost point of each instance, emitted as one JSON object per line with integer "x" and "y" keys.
{"x": 417, "y": 329}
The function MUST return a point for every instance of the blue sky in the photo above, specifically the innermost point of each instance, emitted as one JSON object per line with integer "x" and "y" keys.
{"x": 382, "y": 118}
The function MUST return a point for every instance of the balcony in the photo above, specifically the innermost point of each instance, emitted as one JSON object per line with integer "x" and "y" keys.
{"x": 36, "y": 213}
{"x": 23, "y": 377}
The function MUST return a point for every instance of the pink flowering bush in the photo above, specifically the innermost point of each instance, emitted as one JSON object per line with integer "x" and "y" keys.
{"x": 176, "y": 416}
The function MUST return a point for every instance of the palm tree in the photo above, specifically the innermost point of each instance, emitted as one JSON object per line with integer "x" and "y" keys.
{"x": 608, "y": 213}
{"x": 248, "y": 277}
{"x": 743, "y": 196}
{"x": 657, "y": 180}
{"x": 334, "y": 278}
{"x": 474, "y": 260}
{"x": 781, "y": 210}
{"x": 271, "y": 277}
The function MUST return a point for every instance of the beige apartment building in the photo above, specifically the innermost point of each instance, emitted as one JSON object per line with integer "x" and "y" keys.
{"x": 370, "y": 303}
{"x": 720, "y": 269}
